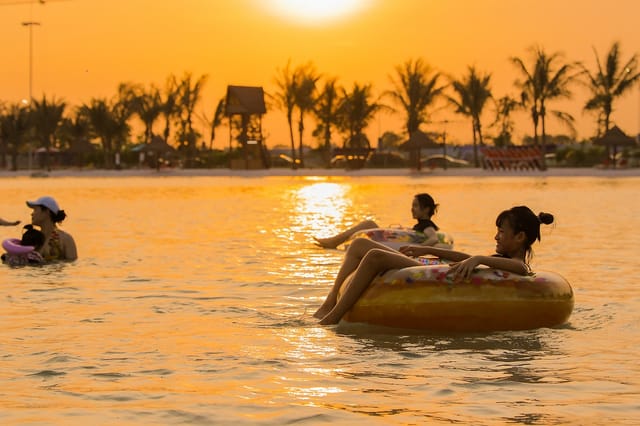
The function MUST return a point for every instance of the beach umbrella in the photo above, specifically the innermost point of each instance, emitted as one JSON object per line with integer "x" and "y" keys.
{"x": 79, "y": 149}
{"x": 613, "y": 138}
{"x": 418, "y": 141}
{"x": 81, "y": 146}
{"x": 157, "y": 144}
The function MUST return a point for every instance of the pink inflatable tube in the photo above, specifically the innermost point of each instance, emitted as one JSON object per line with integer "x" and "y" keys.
{"x": 13, "y": 246}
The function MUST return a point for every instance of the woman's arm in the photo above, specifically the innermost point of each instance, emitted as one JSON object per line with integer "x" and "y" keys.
{"x": 68, "y": 246}
{"x": 463, "y": 269}
{"x": 419, "y": 250}
{"x": 8, "y": 223}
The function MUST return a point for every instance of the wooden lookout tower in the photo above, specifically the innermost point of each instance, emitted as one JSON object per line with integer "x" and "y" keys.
{"x": 246, "y": 104}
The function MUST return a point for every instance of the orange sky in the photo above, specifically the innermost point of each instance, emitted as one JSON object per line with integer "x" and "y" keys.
{"x": 84, "y": 48}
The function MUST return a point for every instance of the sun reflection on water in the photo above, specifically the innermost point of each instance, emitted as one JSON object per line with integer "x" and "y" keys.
{"x": 320, "y": 204}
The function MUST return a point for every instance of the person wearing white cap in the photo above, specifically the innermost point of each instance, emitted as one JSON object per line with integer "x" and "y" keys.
{"x": 58, "y": 244}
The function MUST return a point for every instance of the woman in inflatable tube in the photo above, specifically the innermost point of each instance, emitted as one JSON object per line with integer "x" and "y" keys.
{"x": 517, "y": 229}
{"x": 424, "y": 232}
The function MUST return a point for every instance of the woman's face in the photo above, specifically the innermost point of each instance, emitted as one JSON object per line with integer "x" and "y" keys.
{"x": 39, "y": 215}
{"x": 508, "y": 243}
{"x": 419, "y": 212}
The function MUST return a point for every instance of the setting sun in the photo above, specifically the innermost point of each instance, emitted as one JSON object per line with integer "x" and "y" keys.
{"x": 312, "y": 11}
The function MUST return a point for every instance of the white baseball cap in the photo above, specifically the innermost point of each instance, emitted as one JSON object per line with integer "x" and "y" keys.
{"x": 47, "y": 202}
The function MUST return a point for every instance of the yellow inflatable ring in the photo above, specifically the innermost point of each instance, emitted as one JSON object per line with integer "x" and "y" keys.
{"x": 426, "y": 298}
{"x": 398, "y": 237}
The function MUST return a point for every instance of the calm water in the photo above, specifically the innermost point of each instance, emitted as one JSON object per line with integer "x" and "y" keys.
{"x": 192, "y": 299}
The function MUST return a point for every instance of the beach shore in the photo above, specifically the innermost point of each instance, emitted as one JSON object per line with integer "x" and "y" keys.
{"x": 453, "y": 172}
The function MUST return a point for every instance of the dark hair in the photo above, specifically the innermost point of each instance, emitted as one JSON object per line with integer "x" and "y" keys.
{"x": 522, "y": 219}
{"x": 32, "y": 237}
{"x": 425, "y": 200}
{"x": 56, "y": 217}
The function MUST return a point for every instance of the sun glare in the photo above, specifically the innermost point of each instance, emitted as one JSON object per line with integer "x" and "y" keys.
{"x": 315, "y": 11}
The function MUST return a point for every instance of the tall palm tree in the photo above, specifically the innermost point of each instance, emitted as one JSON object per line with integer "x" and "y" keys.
{"x": 170, "y": 108}
{"x": 609, "y": 82}
{"x": 416, "y": 88}
{"x": 216, "y": 121}
{"x": 287, "y": 84}
{"x": 46, "y": 117}
{"x": 108, "y": 123}
{"x": 14, "y": 127}
{"x": 190, "y": 94}
{"x": 326, "y": 113}
{"x": 505, "y": 106}
{"x": 304, "y": 97}
{"x": 357, "y": 110}
{"x": 74, "y": 135}
{"x": 548, "y": 79}
{"x": 472, "y": 91}
{"x": 122, "y": 110}
{"x": 146, "y": 104}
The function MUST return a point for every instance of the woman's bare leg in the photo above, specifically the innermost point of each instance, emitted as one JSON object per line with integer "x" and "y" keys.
{"x": 336, "y": 240}
{"x": 352, "y": 258}
{"x": 373, "y": 263}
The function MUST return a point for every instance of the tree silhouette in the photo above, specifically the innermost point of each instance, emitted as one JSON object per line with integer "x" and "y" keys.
{"x": 416, "y": 89}
{"x": 326, "y": 113}
{"x": 608, "y": 83}
{"x": 14, "y": 126}
{"x": 505, "y": 106}
{"x": 304, "y": 98}
{"x": 189, "y": 95}
{"x": 46, "y": 117}
{"x": 357, "y": 110}
{"x": 285, "y": 97}
{"x": 472, "y": 91}
{"x": 546, "y": 80}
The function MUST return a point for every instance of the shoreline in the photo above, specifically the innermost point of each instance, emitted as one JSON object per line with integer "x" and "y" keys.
{"x": 310, "y": 172}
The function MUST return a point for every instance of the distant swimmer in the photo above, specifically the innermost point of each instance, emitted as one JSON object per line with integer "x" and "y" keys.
{"x": 58, "y": 244}
{"x": 423, "y": 208}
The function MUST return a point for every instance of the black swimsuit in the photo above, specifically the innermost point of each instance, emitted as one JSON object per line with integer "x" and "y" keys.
{"x": 424, "y": 224}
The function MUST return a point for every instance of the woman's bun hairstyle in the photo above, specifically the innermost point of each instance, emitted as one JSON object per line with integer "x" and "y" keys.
{"x": 546, "y": 218}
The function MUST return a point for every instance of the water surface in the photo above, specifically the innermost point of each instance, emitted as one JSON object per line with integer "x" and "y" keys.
{"x": 191, "y": 303}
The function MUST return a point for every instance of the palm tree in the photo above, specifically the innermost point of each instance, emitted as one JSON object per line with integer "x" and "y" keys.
{"x": 108, "y": 123}
{"x": 610, "y": 82}
{"x": 121, "y": 112}
{"x": 216, "y": 121}
{"x": 285, "y": 97}
{"x": 357, "y": 109}
{"x": 505, "y": 106}
{"x": 546, "y": 81}
{"x": 46, "y": 117}
{"x": 472, "y": 92}
{"x": 304, "y": 98}
{"x": 326, "y": 113}
{"x": 74, "y": 135}
{"x": 14, "y": 127}
{"x": 190, "y": 93}
{"x": 415, "y": 90}
{"x": 146, "y": 104}
{"x": 170, "y": 108}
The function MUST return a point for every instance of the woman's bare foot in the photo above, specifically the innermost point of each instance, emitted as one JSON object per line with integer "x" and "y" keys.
{"x": 327, "y": 305}
{"x": 322, "y": 311}
{"x": 330, "y": 243}
{"x": 330, "y": 319}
